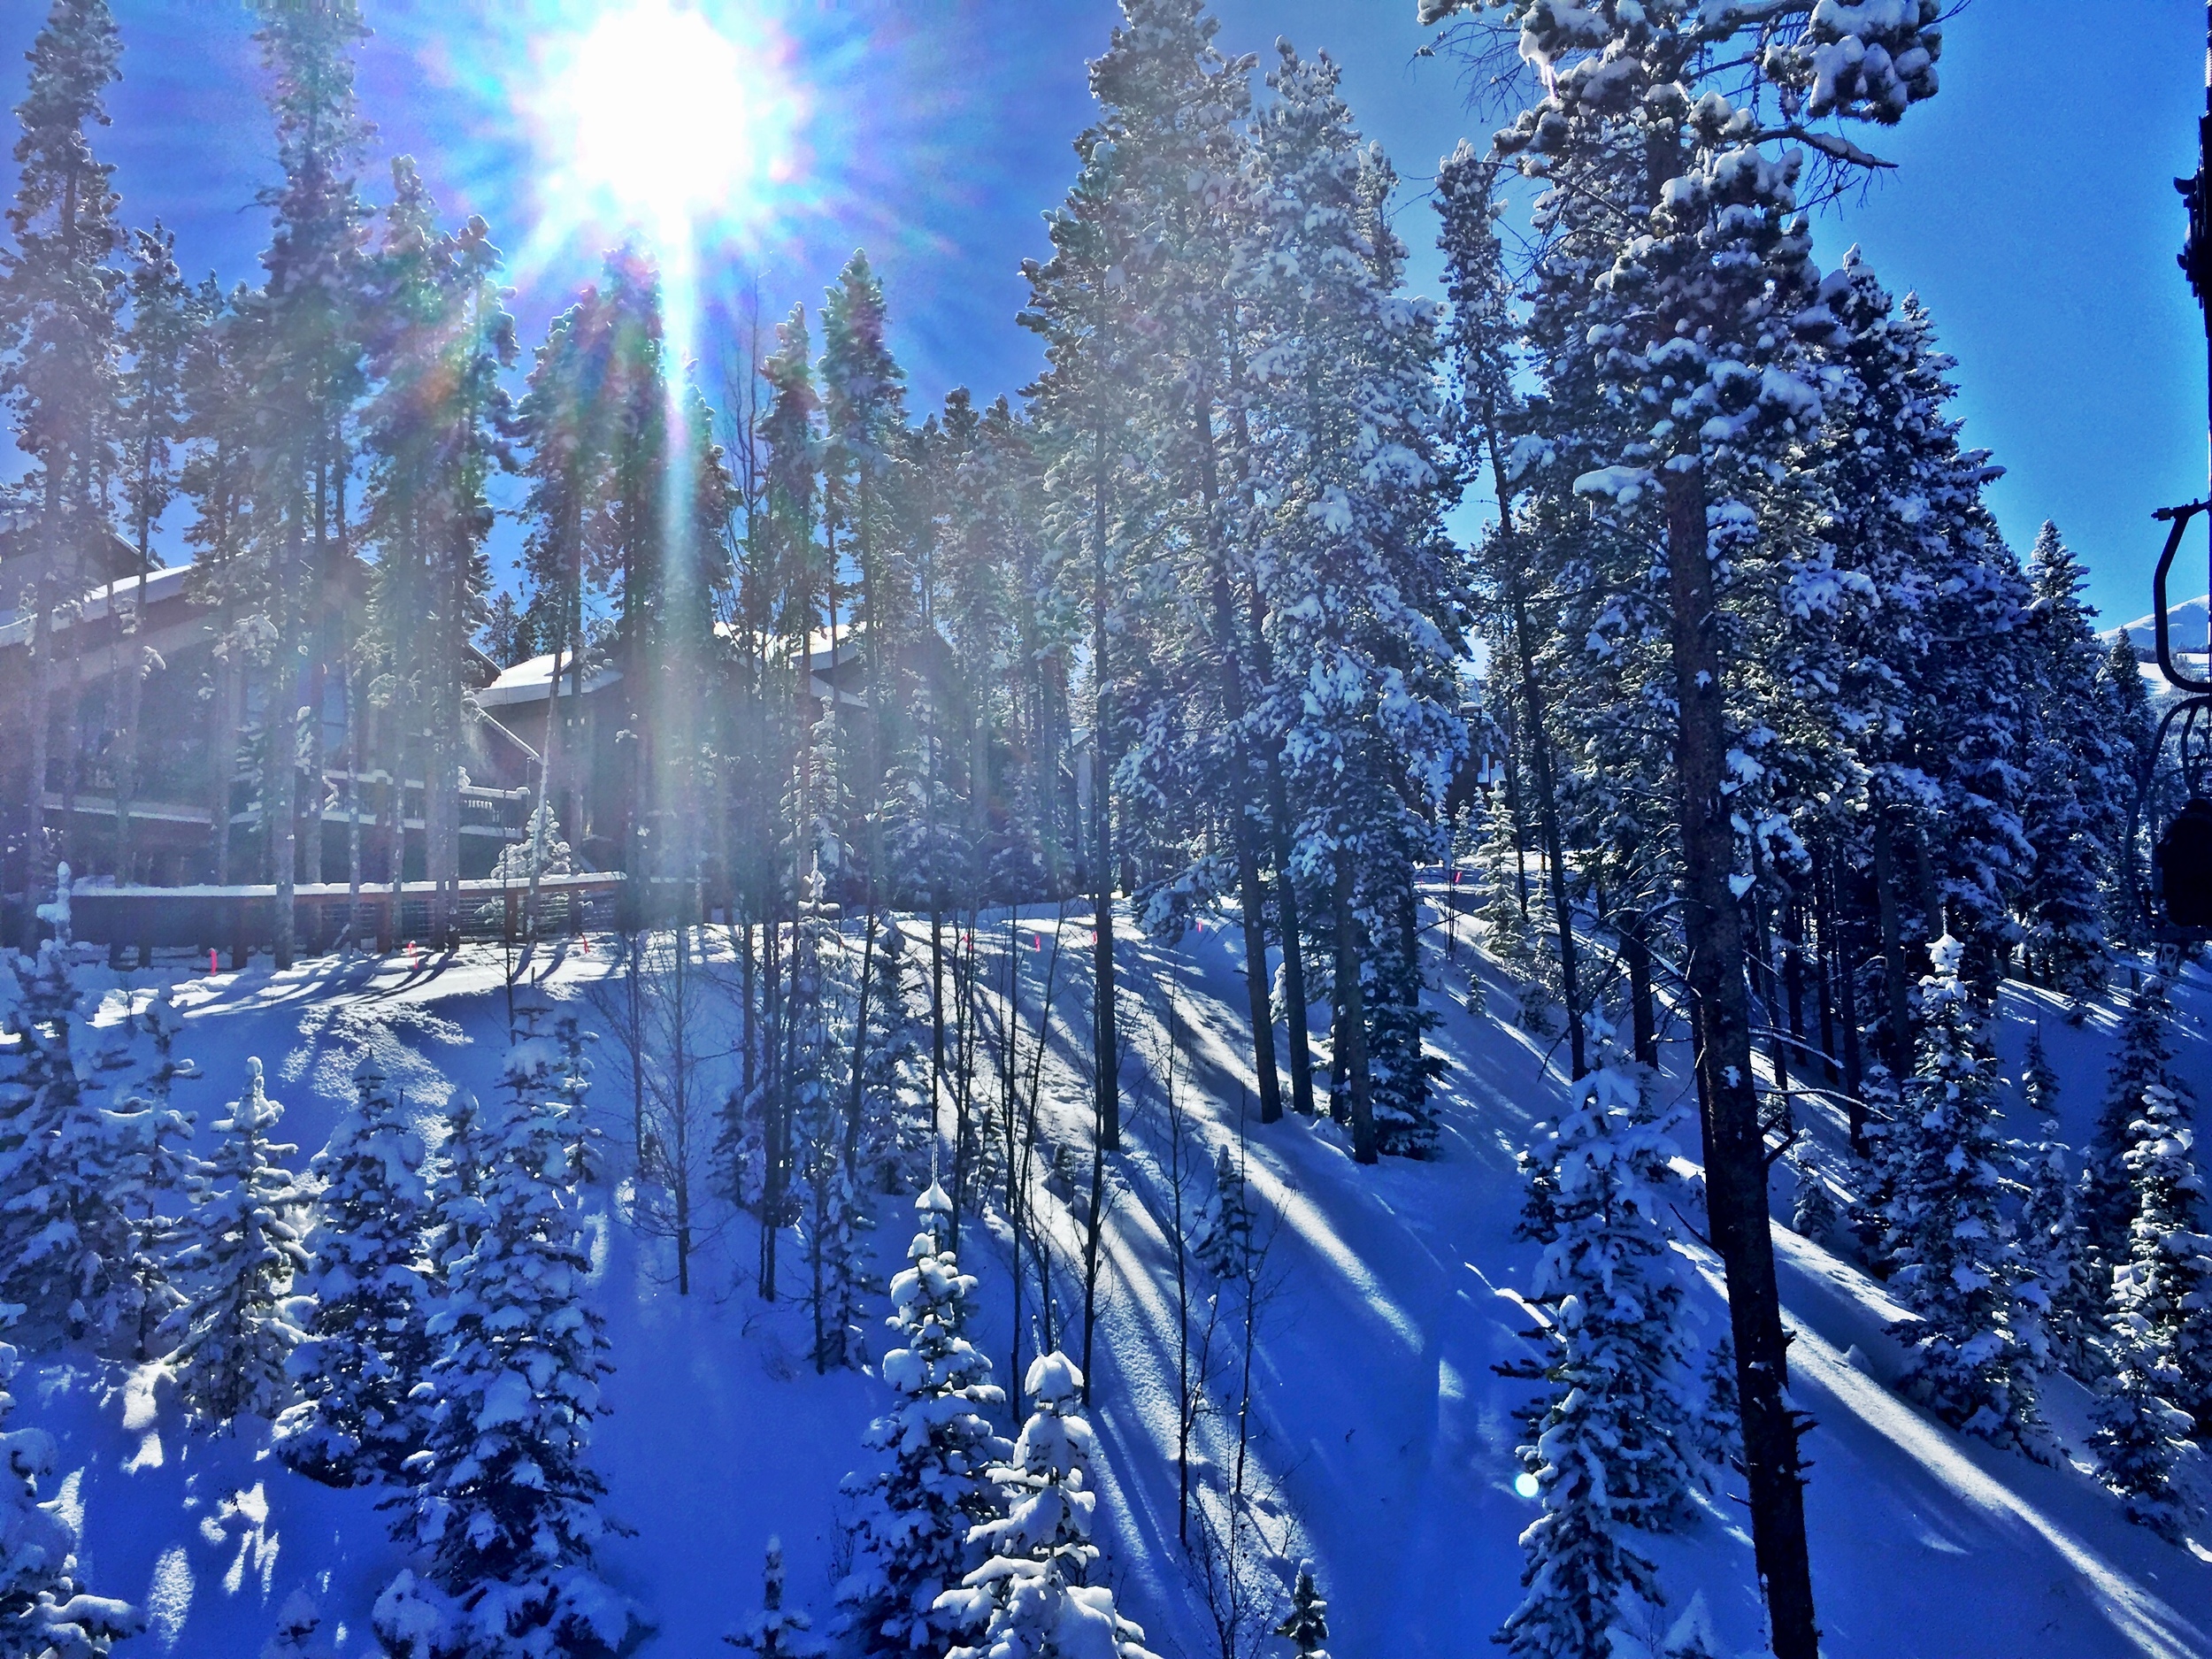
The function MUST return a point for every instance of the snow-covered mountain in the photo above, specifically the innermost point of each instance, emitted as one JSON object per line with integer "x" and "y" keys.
{"x": 2189, "y": 619}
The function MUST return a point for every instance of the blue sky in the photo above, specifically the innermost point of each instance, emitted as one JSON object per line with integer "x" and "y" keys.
{"x": 2031, "y": 207}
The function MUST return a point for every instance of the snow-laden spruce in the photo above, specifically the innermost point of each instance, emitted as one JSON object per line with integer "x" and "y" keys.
{"x": 1355, "y": 570}
{"x": 2144, "y": 1062}
{"x": 505, "y": 1506}
{"x": 1613, "y": 1436}
{"x": 1306, "y": 1626}
{"x": 82, "y": 1161}
{"x": 1031, "y": 1597}
{"x": 244, "y": 1248}
{"x": 2160, "y": 1328}
{"x": 1953, "y": 1262}
{"x": 365, "y": 1346}
{"x": 2038, "y": 1080}
{"x": 2051, "y": 1242}
{"x": 154, "y": 1181}
{"x": 2076, "y": 784}
{"x": 44, "y": 1613}
{"x": 1222, "y": 1235}
{"x": 911, "y": 1529}
{"x": 777, "y": 1632}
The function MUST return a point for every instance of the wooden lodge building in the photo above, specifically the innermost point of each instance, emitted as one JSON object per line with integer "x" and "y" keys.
{"x": 174, "y": 811}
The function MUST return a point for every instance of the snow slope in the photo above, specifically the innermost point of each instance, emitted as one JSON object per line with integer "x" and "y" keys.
{"x": 1379, "y": 1419}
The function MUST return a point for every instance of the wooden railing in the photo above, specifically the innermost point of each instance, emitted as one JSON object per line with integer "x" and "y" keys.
{"x": 242, "y": 919}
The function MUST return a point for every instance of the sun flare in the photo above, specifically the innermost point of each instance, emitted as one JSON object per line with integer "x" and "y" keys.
{"x": 659, "y": 118}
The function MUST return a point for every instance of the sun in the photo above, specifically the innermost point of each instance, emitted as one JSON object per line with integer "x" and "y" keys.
{"x": 658, "y": 118}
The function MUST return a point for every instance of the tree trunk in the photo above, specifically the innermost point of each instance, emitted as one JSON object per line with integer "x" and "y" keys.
{"x": 1636, "y": 949}
{"x": 1105, "y": 1053}
{"x": 1548, "y": 812}
{"x": 1301, "y": 1057}
{"x": 282, "y": 818}
{"x": 1735, "y": 1146}
{"x": 1352, "y": 1021}
{"x": 1897, "y": 1021}
{"x": 35, "y": 792}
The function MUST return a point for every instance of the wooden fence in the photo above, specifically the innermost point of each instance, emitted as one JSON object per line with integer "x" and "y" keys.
{"x": 241, "y": 920}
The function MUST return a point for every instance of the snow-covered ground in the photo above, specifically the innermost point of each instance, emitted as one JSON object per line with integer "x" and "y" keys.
{"x": 1379, "y": 1419}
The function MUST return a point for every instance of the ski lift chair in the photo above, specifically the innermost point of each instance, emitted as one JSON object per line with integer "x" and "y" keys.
{"x": 2179, "y": 894}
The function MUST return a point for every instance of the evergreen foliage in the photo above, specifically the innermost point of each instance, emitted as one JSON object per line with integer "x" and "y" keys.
{"x": 2161, "y": 1288}
{"x": 72, "y": 1167}
{"x": 505, "y": 1503}
{"x": 366, "y": 1346}
{"x": 912, "y": 1532}
{"x": 1221, "y": 1236}
{"x": 1306, "y": 1626}
{"x": 1609, "y": 1445}
{"x": 777, "y": 1632}
{"x": 244, "y": 1249}
{"x": 2074, "y": 1302}
{"x": 1949, "y": 1245}
{"x": 1033, "y": 1593}
{"x": 152, "y": 1182}
{"x": 2038, "y": 1082}
{"x": 2144, "y": 1062}
{"x": 2076, "y": 778}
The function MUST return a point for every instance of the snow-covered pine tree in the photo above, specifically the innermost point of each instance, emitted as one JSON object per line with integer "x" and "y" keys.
{"x": 59, "y": 296}
{"x": 2162, "y": 1287}
{"x": 2039, "y": 1078}
{"x": 438, "y": 342}
{"x": 299, "y": 1624}
{"x": 1511, "y": 891}
{"x": 244, "y": 1230}
{"x": 2074, "y": 1303}
{"x": 153, "y": 1180}
{"x": 366, "y": 1346}
{"x": 506, "y": 1503}
{"x": 44, "y": 1612}
{"x": 304, "y": 375}
{"x": 1223, "y": 1235}
{"x": 1359, "y": 583}
{"x": 1172, "y": 109}
{"x": 1612, "y": 1444}
{"x": 1306, "y": 1626}
{"x": 777, "y": 1632}
{"x": 910, "y": 1533}
{"x": 1034, "y": 1595}
{"x": 2138, "y": 1434}
{"x": 1667, "y": 306}
{"x": 2144, "y": 1062}
{"x": 893, "y": 1123}
{"x": 540, "y": 851}
{"x": 1813, "y": 1213}
{"x": 1598, "y": 1461}
{"x": 1718, "y": 1421}
{"x": 2075, "y": 779}
{"x": 1953, "y": 1260}
{"x": 823, "y": 999}
{"x": 2135, "y": 732}
{"x": 65, "y": 1160}
{"x": 165, "y": 315}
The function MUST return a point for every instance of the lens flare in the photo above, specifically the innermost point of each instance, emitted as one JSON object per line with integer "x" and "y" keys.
{"x": 655, "y": 120}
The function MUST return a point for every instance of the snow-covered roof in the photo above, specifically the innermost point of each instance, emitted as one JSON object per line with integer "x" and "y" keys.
{"x": 529, "y": 681}
{"x": 15, "y": 626}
